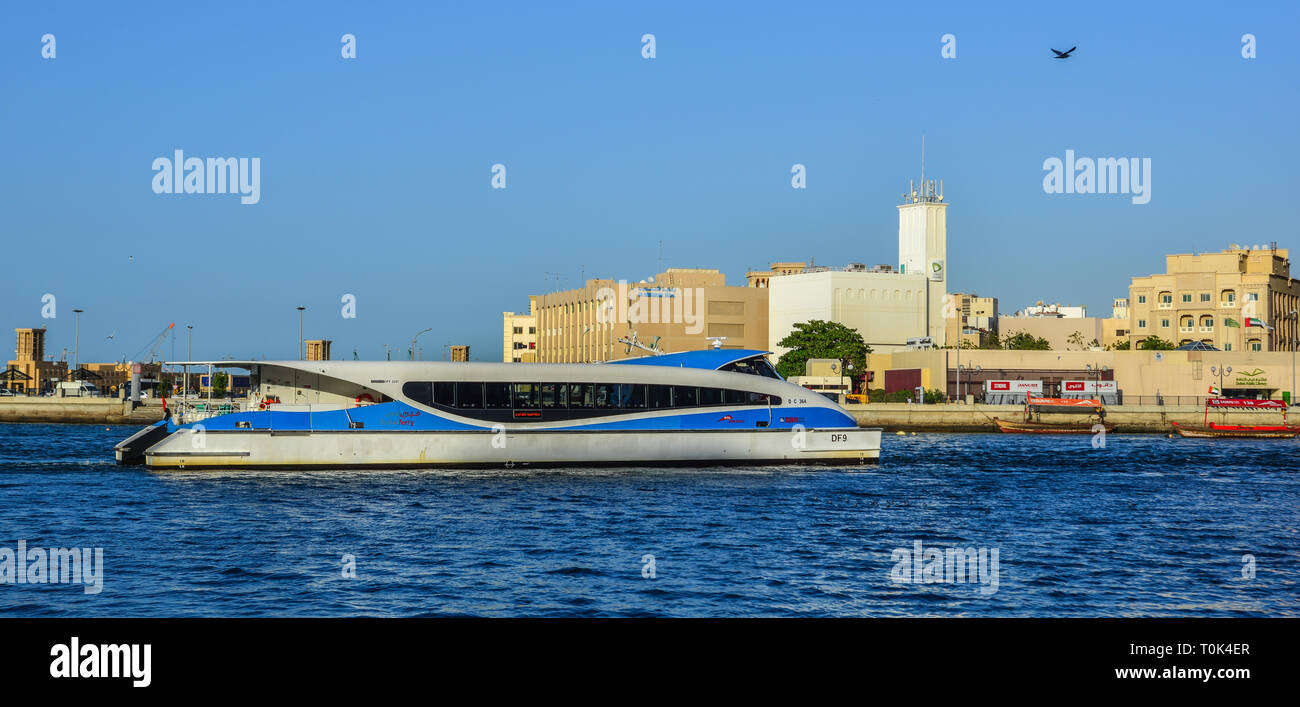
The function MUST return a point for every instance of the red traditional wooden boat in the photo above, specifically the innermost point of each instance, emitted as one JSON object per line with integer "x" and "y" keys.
{"x": 1029, "y": 426}
{"x": 1212, "y": 429}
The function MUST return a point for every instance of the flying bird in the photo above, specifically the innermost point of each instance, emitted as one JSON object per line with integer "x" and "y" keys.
{"x": 111, "y": 335}
{"x": 1065, "y": 54}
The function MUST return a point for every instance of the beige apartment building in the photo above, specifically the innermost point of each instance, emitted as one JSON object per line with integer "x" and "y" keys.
{"x": 29, "y": 372}
{"x": 977, "y": 316}
{"x": 760, "y": 278}
{"x": 679, "y": 309}
{"x": 520, "y": 335}
{"x": 318, "y": 349}
{"x": 1209, "y": 297}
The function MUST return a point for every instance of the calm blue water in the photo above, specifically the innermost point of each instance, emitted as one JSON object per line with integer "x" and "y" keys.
{"x": 1146, "y": 526}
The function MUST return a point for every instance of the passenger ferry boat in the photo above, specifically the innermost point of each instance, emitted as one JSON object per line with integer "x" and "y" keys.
{"x": 718, "y": 406}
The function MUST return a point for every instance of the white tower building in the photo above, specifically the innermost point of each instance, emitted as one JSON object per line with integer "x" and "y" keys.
{"x": 923, "y": 247}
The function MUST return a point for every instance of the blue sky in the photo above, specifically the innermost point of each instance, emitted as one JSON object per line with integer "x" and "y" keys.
{"x": 376, "y": 171}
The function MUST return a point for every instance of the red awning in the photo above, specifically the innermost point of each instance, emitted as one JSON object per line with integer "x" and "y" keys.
{"x": 1245, "y": 403}
{"x": 1066, "y": 402}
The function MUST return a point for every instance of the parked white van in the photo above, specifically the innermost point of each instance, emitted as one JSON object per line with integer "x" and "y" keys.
{"x": 75, "y": 389}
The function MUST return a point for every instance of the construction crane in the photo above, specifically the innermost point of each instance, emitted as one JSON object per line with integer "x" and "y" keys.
{"x": 151, "y": 348}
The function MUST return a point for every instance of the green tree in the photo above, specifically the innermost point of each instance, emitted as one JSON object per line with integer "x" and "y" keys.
{"x": 1076, "y": 339}
{"x": 1124, "y": 345}
{"x": 1024, "y": 341}
{"x": 820, "y": 339}
{"x": 1155, "y": 343}
{"x": 220, "y": 383}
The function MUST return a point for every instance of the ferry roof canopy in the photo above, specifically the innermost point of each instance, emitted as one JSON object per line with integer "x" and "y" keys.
{"x": 710, "y": 359}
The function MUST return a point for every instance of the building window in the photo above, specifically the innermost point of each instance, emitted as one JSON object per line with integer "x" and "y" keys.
{"x": 1142, "y": 323}
{"x": 1227, "y": 297}
{"x": 1253, "y": 297}
{"x": 532, "y": 330}
{"x": 1255, "y": 345}
{"x": 1142, "y": 299}
{"x": 1205, "y": 296}
{"x": 1164, "y": 323}
{"x": 1227, "y": 346}
{"x": 519, "y": 330}
{"x": 1187, "y": 297}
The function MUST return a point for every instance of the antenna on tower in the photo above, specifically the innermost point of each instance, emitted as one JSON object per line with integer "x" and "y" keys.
{"x": 922, "y": 161}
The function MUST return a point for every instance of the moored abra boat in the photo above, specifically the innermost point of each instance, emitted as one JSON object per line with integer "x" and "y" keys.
{"x": 720, "y": 406}
{"x": 1030, "y": 426}
{"x": 1211, "y": 429}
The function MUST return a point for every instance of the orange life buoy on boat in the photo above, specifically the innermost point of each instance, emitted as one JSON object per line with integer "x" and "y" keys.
{"x": 267, "y": 402}
{"x": 366, "y": 397}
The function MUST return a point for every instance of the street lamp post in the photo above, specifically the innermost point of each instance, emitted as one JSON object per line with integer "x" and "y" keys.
{"x": 76, "y": 340}
{"x": 1220, "y": 371}
{"x": 300, "y": 344}
{"x": 1096, "y": 371}
{"x": 968, "y": 370}
{"x": 1294, "y": 322}
{"x": 413, "y": 338}
{"x": 189, "y": 356}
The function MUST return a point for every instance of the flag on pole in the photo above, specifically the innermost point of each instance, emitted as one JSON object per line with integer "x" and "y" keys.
{"x": 1214, "y": 390}
{"x": 1256, "y": 321}
{"x": 1231, "y": 322}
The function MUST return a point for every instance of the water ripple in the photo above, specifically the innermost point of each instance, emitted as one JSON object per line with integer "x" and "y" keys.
{"x": 1145, "y": 526}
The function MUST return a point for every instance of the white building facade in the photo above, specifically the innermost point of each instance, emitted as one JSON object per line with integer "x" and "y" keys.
{"x": 886, "y": 308}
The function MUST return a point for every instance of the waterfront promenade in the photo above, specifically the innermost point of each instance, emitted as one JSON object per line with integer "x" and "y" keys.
{"x": 955, "y": 417}
{"x": 79, "y": 410}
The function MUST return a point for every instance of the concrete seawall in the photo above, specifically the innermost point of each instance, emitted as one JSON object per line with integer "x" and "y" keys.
{"x": 80, "y": 410}
{"x": 951, "y": 417}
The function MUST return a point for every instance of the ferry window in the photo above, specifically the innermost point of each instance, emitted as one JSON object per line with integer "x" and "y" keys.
{"x": 684, "y": 396}
{"x": 756, "y": 365}
{"x": 710, "y": 396}
{"x": 525, "y": 396}
{"x": 444, "y": 393}
{"x": 497, "y": 396}
{"x": 580, "y": 395}
{"x": 548, "y": 395}
{"x": 605, "y": 395}
{"x": 421, "y": 393}
{"x": 764, "y": 368}
{"x": 631, "y": 396}
{"x": 733, "y": 397}
{"x": 661, "y": 396}
{"x": 469, "y": 395}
